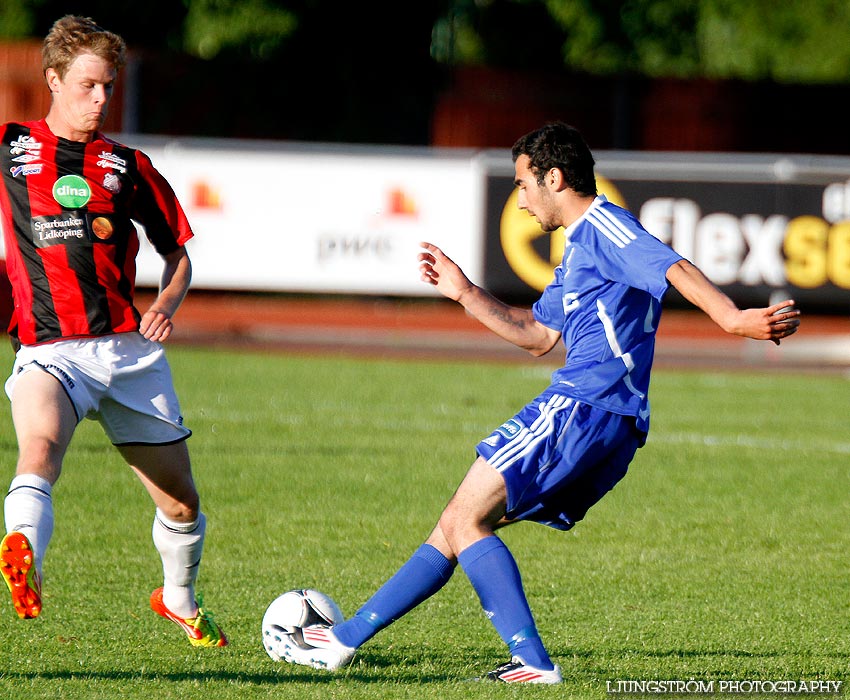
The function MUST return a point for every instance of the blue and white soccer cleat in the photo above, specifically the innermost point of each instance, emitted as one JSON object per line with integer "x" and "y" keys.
{"x": 517, "y": 671}
{"x": 321, "y": 649}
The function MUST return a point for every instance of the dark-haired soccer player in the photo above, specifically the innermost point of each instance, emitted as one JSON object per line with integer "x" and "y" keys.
{"x": 569, "y": 446}
{"x": 68, "y": 199}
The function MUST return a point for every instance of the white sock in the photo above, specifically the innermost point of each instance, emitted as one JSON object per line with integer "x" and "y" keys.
{"x": 179, "y": 546}
{"x": 28, "y": 509}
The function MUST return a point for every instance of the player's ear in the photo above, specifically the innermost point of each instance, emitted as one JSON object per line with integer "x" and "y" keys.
{"x": 555, "y": 179}
{"x": 52, "y": 78}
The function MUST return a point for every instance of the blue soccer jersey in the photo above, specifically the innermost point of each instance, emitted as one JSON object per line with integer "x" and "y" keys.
{"x": 605, "y": 300}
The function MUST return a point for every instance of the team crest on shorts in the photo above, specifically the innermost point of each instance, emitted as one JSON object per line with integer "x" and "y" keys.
{"x": 509, "y": 428}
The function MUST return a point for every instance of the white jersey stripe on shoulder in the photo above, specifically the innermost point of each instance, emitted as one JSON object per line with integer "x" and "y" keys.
{"x": 626, "y": 231}
{"x": 612, "y": 228}
{"x": 614, "y": 232}
{"x": 607, "y": 232}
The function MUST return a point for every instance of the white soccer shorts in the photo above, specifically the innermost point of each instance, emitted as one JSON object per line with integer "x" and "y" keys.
{"x": 122, "y": 380}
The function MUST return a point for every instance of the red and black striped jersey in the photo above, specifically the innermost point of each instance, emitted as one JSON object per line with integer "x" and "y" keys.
{"x": 67, "y": 211}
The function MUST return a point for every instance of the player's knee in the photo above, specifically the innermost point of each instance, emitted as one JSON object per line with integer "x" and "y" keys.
{"x": 42, "y": 457}
{"x": 458, "y": 529}
{"x": 181, "y": 512}
{"x": 182, "y": 505}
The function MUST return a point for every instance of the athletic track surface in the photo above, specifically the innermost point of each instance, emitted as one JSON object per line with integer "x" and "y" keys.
{"x": 440, "y": 329}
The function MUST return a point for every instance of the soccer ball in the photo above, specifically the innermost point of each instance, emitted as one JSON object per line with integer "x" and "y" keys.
{"x": 290, "y": 612}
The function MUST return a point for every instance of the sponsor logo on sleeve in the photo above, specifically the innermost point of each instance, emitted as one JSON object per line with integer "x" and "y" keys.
{"x": 509, "y": 428}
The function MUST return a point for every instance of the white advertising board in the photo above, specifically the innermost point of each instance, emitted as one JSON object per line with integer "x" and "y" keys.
{"x": 316, "y": 219}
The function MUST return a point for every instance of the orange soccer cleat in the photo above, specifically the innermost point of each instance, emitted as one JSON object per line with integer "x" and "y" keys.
{"x": 17, "y": 564}
{"x": 202, "y": 630}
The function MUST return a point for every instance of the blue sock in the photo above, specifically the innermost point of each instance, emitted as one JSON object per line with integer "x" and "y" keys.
{"x": 421, "y": 576}
{"x": 494, "y": 575}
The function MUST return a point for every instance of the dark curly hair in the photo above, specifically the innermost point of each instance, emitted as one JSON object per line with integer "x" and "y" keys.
{"x": 559, "y": 145}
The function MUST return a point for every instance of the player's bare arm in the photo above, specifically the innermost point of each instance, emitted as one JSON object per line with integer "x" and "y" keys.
{"x": 157, "y": 322}
{"x": 514, "y": 324}
{"x": 769, "y": 323}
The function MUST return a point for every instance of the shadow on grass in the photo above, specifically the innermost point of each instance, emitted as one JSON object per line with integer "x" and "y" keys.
{"x": 366, "y": 671}
{"x": 633, "y": 653}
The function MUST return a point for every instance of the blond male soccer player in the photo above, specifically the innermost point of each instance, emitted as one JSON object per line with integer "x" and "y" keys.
{"x": 68, "y": 199}
{"x": 570, "y": 445}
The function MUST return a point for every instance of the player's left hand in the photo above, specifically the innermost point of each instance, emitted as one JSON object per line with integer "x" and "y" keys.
{"x": 156, "y": 325}
{"x": 771, "y": 323}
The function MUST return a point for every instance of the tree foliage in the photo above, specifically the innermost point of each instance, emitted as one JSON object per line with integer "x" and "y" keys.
{"x": 795, "y": 41}
{"x": 17, "y": 20}
{"x": 256, "y": 27}
{"x": 801, "y": 41}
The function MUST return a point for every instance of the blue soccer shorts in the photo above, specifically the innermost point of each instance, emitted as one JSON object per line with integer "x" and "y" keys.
{"x": 559, "y": 456}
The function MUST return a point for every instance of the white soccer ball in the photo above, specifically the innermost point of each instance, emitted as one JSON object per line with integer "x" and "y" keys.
{"x": 290, "y": 612}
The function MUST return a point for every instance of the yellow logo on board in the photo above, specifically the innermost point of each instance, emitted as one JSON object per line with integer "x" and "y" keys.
{"x": 519, "y": 231}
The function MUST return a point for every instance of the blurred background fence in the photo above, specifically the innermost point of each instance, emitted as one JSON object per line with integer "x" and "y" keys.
{"x": 721, "y": 124}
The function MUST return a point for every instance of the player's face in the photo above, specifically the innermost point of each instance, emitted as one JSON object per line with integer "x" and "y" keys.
{"x": 81, "y": 99}
{"x": 536, "y": 199}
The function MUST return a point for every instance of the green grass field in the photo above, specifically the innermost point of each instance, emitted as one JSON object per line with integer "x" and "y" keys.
{"x": 723, "y": 555}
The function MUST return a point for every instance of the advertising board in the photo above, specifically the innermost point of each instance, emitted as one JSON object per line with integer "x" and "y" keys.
{"x": 759, "y": 226}
{"x": 269, "y": 217}
{"x": 313, "y": 218}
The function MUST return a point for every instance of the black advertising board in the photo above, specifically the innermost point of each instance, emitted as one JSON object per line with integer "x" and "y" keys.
{"x": 758, "y": 226}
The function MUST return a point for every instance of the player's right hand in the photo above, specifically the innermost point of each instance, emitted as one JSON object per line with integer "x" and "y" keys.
{"x": 439, "y": 270}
